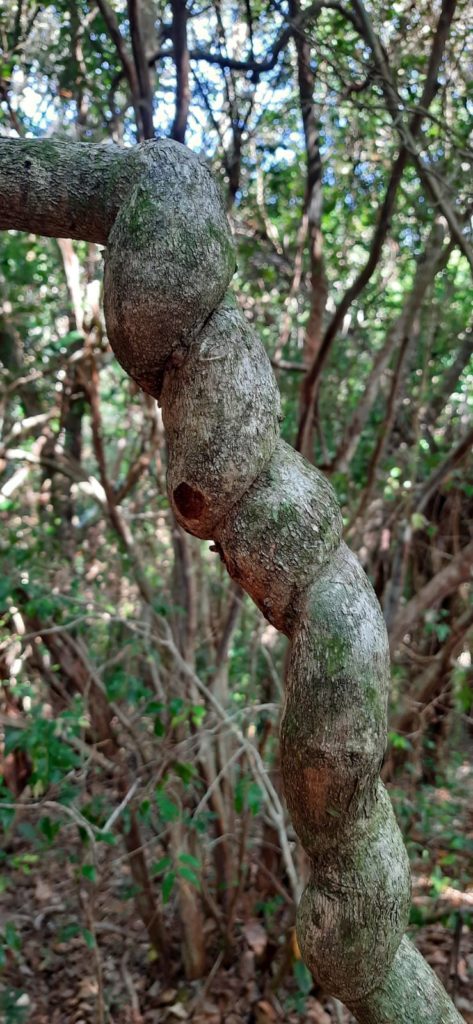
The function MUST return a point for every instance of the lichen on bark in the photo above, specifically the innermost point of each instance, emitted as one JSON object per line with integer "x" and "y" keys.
{"x": 277, "y": 525}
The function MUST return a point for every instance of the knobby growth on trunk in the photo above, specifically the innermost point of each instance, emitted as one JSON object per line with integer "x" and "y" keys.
{"x": 276, "y": 524}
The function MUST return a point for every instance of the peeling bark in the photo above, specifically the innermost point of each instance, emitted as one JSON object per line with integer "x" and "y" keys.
{"x": 277, "y": 526}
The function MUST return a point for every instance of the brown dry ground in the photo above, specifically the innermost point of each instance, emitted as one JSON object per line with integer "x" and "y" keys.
{"x": 60, "y": 978}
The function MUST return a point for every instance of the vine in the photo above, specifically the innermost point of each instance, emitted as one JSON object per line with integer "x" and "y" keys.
{"x": 276, "y": 524}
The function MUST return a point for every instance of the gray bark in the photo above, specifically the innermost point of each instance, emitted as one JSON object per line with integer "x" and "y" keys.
{"x": 409, "y": 994}
{"x": 277, "y": 526}
{"x": 60, "y": 189}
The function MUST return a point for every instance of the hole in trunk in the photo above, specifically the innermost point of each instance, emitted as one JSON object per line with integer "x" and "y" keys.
{"x": 190, "y": 502}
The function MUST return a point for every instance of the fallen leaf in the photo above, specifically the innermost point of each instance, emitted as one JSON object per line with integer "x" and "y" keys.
{"x": 179, "y": 1011}
{"x": 43, "y": 891}
{"x": 88, "y": 987}
{"x": 247, "y": 965}
{"x": 168, "y": 996}
{"x": 210, "y": 1009}
{"x": 438, "y": 957}
{"x": 317, "y": 1014}
{"x": 256, "y": 937}
{"x": 265, "y": 1013}
{"x": 462, "y": 971}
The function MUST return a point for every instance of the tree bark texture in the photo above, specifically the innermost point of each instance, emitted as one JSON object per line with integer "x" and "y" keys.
{"x": 276, "y": 524}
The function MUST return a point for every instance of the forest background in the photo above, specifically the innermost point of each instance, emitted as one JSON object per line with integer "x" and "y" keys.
{"x": 149, "y": 871}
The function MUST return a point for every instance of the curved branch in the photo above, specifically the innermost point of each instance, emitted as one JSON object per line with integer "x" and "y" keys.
{"x": 277, "y": 526}
{"x": 295, "y": 26}
{"x": 61, "y": 190}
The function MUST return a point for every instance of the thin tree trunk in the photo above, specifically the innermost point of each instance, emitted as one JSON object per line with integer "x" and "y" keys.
{"x": 452, "y": 460}
{"x": 426, "y": 689}
{"x": 126, "y": 62}
{"x": 440, "y": 193}
{"x": 181, "y": 62}
{"x": 438, "y": 400}
{"x": 459, "y": 570}
{"x": 313, "y": 208}
{"x": 386, "y": 426}
{"x": 407, "y": 148}
{"x": 142, "y": 69}
{"x": 429, "y": 263}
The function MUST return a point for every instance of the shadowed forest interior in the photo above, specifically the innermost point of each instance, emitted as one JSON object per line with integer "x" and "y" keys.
{"x": 149, "y": 871}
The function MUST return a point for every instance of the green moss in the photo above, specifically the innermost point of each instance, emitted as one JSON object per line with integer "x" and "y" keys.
{"x": 284, "y": 512}
{"x": 228, "y": 302}
{"x": 113, "y": 182}
{"x": 140, "y": 216}
{"x": 338, "y": 651}
{"x": 373, "y": 700}
{"x": 223, "y": 239}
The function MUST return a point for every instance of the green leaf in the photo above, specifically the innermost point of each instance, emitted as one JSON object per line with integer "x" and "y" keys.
{"x": 168, "y": 810}
{"x": 69, "y": 931}
{"x": 11, "y": 937}
{"x": 160, "y": 865}
{"x": 303, "y": 977}
{"x": 168, "y": 885}
{"x": 49, "y": 828}
{"x": 89, "y": 871}
{"x": 88, "y": 938}
{"x": 158, "y": 728}
{"x": 418, "y": 521}
{"x": 190, "y": 875}
{"x": 198, "y": 714}
{"x": 106, "y": 837}
{"x": 398, "y": 742}
{"x": 187, "y": 858}
{"x": 185, "y": 772}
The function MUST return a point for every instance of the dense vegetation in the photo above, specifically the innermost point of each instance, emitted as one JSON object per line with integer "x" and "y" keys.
{"x": 142, "y": 807}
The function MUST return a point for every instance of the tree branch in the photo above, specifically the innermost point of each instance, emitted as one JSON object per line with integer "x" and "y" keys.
{"x": 407, "y": 150}
{"x": 59, "y": 189}
{"x": 277, "y": 526}
{"x": 313, "y": 209}
{"x": 394, "y": 105}
{"x": 181, "y": 61}
{"x": 129, "y": 69}
{"x": 459, "y": 570}
{"x": 145, "y": 93}
{"x": 431, "y": 260}
{"x": 453, "y": 459}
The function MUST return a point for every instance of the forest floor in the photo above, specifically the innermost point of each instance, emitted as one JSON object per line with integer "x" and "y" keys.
{"x": 56, "y": 972}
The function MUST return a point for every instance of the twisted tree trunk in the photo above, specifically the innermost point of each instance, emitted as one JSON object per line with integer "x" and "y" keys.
{"x": 276, "y": 524}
